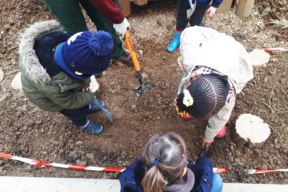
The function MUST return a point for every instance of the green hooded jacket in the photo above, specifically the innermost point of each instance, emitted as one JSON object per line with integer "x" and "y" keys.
{"x": 48, "y": 93}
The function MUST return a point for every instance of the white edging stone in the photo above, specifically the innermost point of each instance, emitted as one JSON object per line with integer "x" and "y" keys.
{"x": 46, "y": 184}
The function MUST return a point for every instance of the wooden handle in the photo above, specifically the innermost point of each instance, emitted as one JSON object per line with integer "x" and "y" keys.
{"x": 132, "y": 51}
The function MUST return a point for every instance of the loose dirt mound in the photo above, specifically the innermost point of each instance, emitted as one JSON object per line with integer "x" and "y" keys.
{"x": 27, "y": 131}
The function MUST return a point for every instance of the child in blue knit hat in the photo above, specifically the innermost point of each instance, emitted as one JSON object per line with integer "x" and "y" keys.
{"x": 56, "y": 69}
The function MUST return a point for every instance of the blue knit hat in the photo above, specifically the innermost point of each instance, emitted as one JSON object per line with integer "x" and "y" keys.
{"x": 87, "y": 52}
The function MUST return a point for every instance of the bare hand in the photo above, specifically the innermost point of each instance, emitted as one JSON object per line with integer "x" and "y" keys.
{"x": 206, "y": 142}
{"x": 211, "y": 11}
{"x": 184, "y": 68}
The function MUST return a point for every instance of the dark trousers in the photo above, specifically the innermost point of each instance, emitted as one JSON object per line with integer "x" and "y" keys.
{"x": 195, "y": 19}
{"x": 71, "y": 18}
{"x": 77, "y": 116}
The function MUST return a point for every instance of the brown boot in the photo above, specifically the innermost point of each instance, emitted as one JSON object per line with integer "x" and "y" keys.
{"x": 125, "y": 59}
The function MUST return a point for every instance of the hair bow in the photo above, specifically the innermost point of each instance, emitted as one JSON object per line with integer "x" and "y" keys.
{"x": 187, "y": 100}
{"x": 155, "y": 162}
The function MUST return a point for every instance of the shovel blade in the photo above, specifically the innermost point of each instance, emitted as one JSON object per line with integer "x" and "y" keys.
{"x": 146, "y": 86}
{"x": 204, "y": 152}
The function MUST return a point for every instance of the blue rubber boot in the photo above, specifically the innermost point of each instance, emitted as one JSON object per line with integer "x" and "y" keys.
{"x": 175, "y": 42}
{"x": 93, "y": 128}
{"x": 93, "y": 107}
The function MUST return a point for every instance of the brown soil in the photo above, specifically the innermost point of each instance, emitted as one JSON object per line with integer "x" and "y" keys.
{"x": 27, "y": 131}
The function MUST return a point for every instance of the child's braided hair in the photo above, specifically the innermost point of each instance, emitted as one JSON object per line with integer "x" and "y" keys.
{"x": 209, "y": 93}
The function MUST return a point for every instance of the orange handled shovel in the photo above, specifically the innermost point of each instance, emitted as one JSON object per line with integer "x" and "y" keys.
{"x": 144, "y": 86}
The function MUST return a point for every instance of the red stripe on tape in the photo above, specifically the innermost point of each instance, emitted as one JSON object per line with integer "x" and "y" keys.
{"x": 79, "y": 167}
{"x": 107, "y": 169}
{"x": 6, "y": 155}
{"x": 221, "y": 170}
{"x": 266, "y": 171}
{"x": 42, "y": 163}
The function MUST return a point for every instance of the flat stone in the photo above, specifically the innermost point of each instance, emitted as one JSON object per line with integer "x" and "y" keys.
{"x": 79, "y": 162}
{"x": 259, "y": 57}
{"x": 90, "y": 155}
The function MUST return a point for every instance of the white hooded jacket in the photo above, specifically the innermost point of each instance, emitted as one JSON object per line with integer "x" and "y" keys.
{"x": 207, "y": 47}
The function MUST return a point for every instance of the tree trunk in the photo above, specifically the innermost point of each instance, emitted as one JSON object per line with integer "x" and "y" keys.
{"x": 252, "y": 129}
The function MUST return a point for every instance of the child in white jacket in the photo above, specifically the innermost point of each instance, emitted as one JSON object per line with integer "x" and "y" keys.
{"x": 218, "y": 68}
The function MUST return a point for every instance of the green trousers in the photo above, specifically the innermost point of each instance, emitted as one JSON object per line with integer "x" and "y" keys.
{"x": 71, "y": 18}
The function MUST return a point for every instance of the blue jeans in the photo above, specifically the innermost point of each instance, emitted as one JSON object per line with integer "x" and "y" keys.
{"x": 217, "y": 183}
{"x": 77, "y": 116}
{"x": 195, "y": 19}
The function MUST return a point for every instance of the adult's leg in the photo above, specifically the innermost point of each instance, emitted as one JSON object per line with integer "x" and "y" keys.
{"x": 217, "y": 183}
{"x": 182, "y": 19}
{"x": 180, "y": 26}
{"x": 198, "y": 15}
{"x": 77, "y": 116}
{"x": 102, "y": 23}
{"x": 69, "y": 14}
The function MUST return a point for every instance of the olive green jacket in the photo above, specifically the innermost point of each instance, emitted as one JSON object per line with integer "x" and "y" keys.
{"x": 50, "y": 94}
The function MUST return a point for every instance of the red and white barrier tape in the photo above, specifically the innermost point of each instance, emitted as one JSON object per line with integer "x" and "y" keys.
{"x": 219, "y": 170}
{"x": 255, "y": 171}
{"x": 274, "y": 49}
{"x": 78, "y": 167}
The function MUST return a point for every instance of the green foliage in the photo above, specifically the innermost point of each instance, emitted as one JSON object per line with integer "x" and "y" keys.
{"x": 251, "y": 15}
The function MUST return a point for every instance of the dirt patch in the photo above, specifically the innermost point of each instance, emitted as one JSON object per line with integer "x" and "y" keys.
{"x": 27, "y": 131}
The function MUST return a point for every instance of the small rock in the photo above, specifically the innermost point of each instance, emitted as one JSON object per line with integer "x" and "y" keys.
{"x": 141, "y": 52}
{"x": 89, "y": 155}
{"x": 79, "y": 143}
{"x": 1, "y": 163}
{"x": 42, "y": 130}
{"x": 79, "y": 162}
{"x": 16, "y": 82}
{"x": 18, "y": 133}
{"x": 238, "y": 162}
{"x": 1, "y": 75}
{"x": 25, "y": 128}
{"x": 44, "y": 152}
{"x": 56, "y": 143}
{"x": 61, "y": 151}
{"x": 22, "y": 109}
{"x": 146, "y": 114}
{"x": 38, "y": 122}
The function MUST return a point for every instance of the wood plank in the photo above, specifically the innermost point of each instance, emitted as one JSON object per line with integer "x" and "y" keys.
{"x": 244, "y": 8}
{"x": 140, "y": 2}
{"x": 225, "y": 6}
{"x": 125, "y": 7}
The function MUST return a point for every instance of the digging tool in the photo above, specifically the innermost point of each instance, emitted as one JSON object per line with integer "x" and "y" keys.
{"x": 178, "y": 92}
{"x": 204, "y": 152}
{"x": 108, "y": 114}
{"x": 103, "y": 109}
{"x": 144, "y": 86}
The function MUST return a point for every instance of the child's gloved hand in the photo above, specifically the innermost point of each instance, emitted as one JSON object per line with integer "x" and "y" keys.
{"x": 206, "y": 142}
{"x": 122, "y": 27}
{"x": 211, "y": 11}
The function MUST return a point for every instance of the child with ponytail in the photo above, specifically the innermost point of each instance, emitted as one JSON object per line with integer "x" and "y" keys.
{"x": 218, "y": 68}
{"x": 164, "y": 167}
